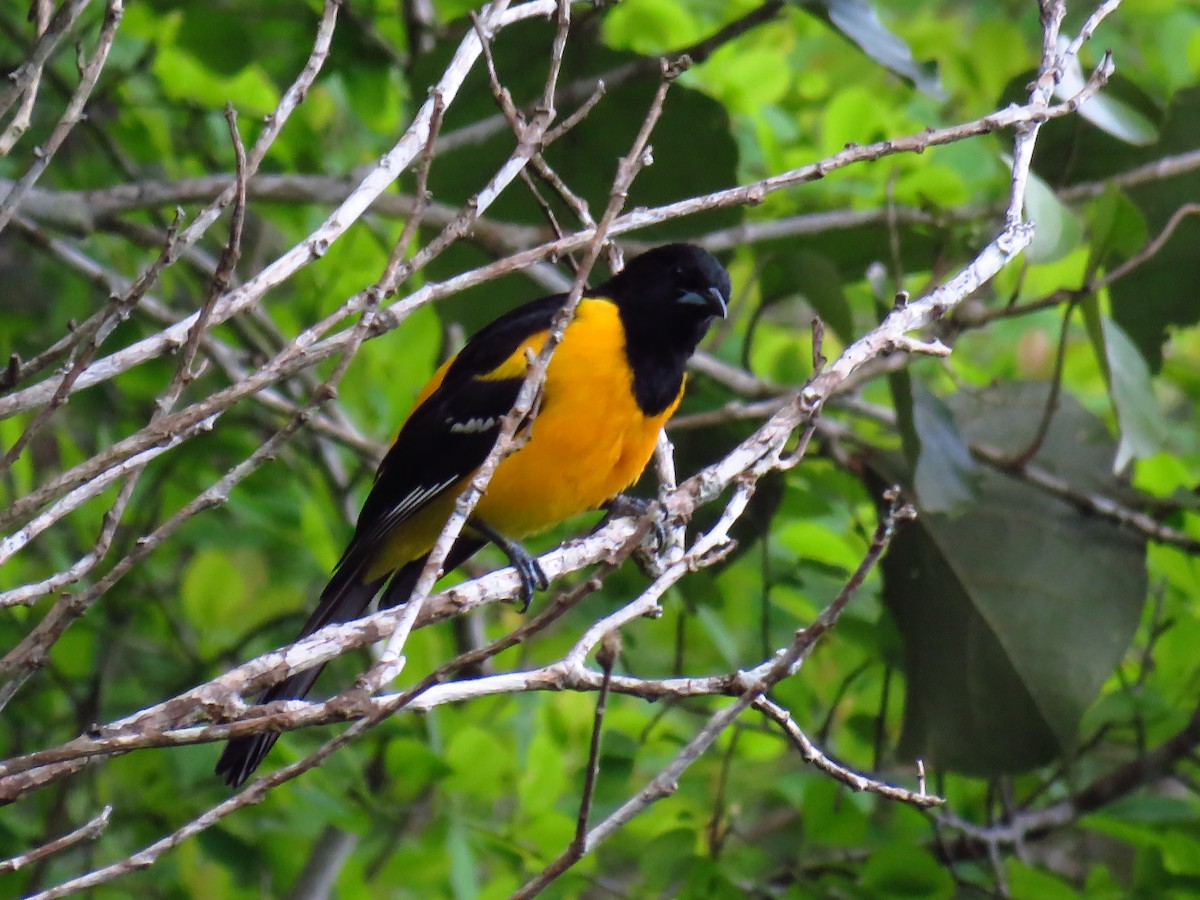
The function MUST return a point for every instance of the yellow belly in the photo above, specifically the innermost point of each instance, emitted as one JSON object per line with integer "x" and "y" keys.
{"x": 589, "y": 442}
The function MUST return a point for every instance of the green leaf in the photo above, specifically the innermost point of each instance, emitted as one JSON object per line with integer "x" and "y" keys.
{"x": 854, "y": 114}
{"x": 905, "y": 871}
{"x": 75, "y": 653}
{"x": 184, "y": 78}
{"x": 900, "y": 385}
{"x": 1107, "y": 112}
{"x": 1093, "y": 323}
{"x": 1013, "y": 613}
{"x": 463, "y": 879}
{"x": 1179, "y": 853}
{"x": 1161, "y": 293}
{"x": 939, "y": 467}
{"x": 213, "y": 590}
{"x": 1116, "y": 229}
{"x": 1136, "y": 810}
{"x": 482, "y": 765}
{"x": 815, "y": 542}
{"x": 668, "y": 856}
{"x": 414, "y": 766}
{"x": 1141, "y": 420}
{"x": 1058, "y": 231}
{"x": 651, "y": 28}
{"x": 705, "y": 880}
{"x": 719, "y": 633}
{"x": 831, "y": 817}
{"x": 543, "y": 778}
{"x": 1166, "y": 824}
{"x": 745, "y": 81}
{"x": 1101, "y": 885}
{"x": 549, "y": 830}
{"x": 216, "y": 37}
{"x": 1028, "y": 883}
{"x": 859, "y": 22}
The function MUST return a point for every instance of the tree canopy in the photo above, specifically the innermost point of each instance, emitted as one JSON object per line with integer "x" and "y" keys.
{"x": 915, "y": 613}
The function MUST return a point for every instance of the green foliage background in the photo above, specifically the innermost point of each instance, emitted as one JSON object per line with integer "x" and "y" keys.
{"x": 1021, "y": 649}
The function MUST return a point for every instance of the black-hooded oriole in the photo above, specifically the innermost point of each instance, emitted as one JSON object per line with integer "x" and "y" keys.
{"x": 612, "y": 383}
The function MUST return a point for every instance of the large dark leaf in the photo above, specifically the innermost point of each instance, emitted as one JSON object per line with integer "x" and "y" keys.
{"x": 939, "y": 466}
{"x": 946, "y": 478}
{"x": 1014, "y": 612}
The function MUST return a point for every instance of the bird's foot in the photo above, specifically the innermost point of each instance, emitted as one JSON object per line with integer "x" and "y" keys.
{"x": 533, "y": 577}
{"x": 529, "y": 570}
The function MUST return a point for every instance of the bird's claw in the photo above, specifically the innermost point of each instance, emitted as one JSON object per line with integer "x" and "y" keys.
{"x": 532, "y": 575}
{"x": 529, "y": 570}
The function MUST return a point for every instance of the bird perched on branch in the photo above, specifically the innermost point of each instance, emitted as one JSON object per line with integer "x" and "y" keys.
{"x": 612, "y": 383}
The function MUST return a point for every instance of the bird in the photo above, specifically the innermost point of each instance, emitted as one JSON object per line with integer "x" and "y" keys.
{"x": 613, "y": 381}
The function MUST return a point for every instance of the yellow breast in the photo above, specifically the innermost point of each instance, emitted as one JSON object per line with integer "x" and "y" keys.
{"x": 589, "y": 441}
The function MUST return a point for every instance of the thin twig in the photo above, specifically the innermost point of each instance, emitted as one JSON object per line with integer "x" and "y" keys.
{"x": 89, "y": 831}
{"x": 1093, "y": 283}
{"x": 752, "y": 194}
{"x": 391, "y": 659}
{"x": 610, "y": 648}
{"x": 666, "y": 782}
{"x": 56, "y": 29}
{"x": 1033, "y": 824}
{"x": 812, "y": 754}
{"x": 760, "y": 453}
{"x": 72, "y": 115}
{"x": 1023, "y": 456}
{"x": 32, "y": 77}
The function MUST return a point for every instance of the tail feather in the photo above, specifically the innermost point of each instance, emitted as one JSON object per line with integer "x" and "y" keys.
{"x": 344, "y": 599}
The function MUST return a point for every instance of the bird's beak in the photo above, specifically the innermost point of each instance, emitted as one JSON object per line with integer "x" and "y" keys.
{"x": 719, "y": 306}
{"x": 712, "y": 300}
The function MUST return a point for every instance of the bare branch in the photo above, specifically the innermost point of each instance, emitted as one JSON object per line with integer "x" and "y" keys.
{"x": 784, "y": 664}
{"x": 73, "y": 113}
{"x": 89, "y": 831}
{"x": 335, "y": 225}
{"x": 215, "y": 710}
{"x": 812, "y": 754}
{"x": 22, "y": 81}
{"x": 753, "y": 193}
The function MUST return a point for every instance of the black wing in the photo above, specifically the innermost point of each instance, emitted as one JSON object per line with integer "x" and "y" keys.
{"x": 449, "y": 435}
{"x": 444, "y": 440}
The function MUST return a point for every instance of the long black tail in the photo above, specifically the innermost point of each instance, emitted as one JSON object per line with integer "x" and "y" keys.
{"x": 344, "y": 598}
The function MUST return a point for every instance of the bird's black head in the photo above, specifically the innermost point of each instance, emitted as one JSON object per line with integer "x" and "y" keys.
{"x": 675, "y": 291}
{"x": 668, "y": 297}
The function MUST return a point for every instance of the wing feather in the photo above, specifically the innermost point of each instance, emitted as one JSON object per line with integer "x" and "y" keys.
{"x": 450, "y": 433}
